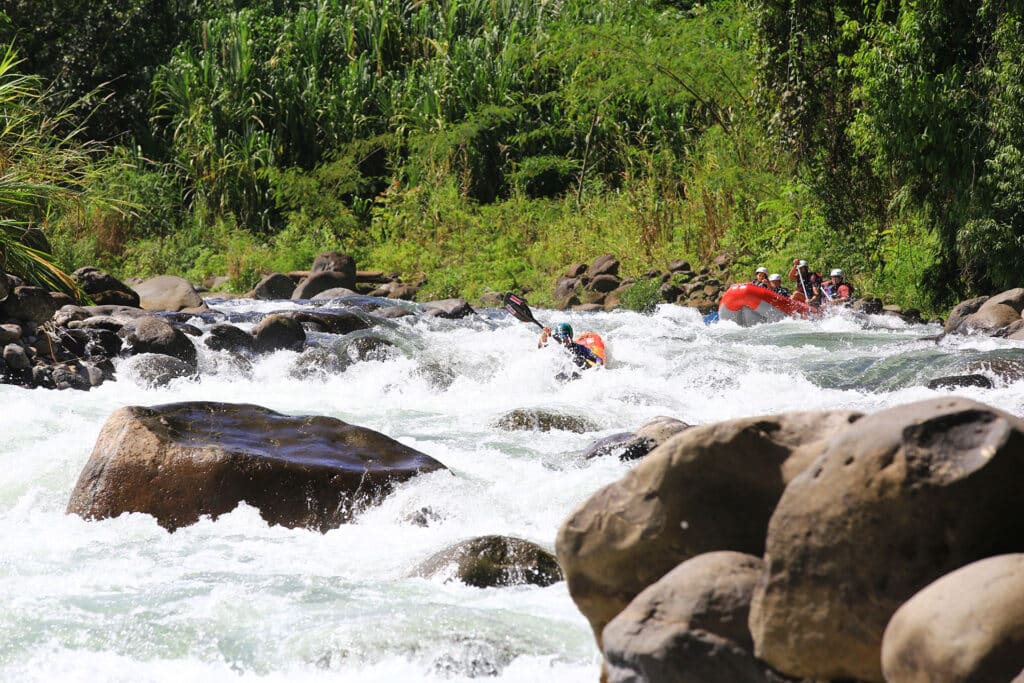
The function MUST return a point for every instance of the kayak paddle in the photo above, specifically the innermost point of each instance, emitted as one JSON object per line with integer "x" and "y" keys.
{"x": 516, "y": 305}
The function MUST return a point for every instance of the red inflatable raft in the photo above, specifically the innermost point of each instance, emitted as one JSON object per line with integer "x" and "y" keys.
{"x": 747, "y": 304}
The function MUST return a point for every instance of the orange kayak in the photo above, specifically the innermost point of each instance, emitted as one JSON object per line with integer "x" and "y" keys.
{"x": 593, "y": 341}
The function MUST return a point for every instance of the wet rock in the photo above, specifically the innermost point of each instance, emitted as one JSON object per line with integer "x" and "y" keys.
{"x": 966, "y": 626}
{"x": 155, "y": 369}
{"x": 333, "y": 293}
{"x": 989, "y": 319}
{"x": 167, "y": 293}
{"x": 708, "y": 488}
{"x": 225, "y": 337}
{"x": 180, "y": 461}
{"x": 961, "y": 311}
{"x": 689, "y": 625}
{"x": 334, "y": 323}
{"x": 10, "y": 333}
{"x": 16, "y": 358}
{"x": 423, "y": 517}
{"x": 448, "y": 308}
{"x": 70, "y": 377}
{"x": 322, "y": 281}
{"x": 27, "y": 303}
{"x": 103, "y": 322}
{"x": 104, "y": 288}
{"x": 371, "y": 348}
{"x": 1014, "y": 298}
{"x": 472, "y": 658}
{"x": 871, "y": 306}
{"x": 895, "y": 501}
{"x": 392, "y": 312}
{"x": 635, "y": 445}
{"x": 278, "y": 332}
{"x": 153, "y": 335}
{"x": 274, "y": 286}
{"x": 955, "y": 381}
{"x": 544, "y": 421}
{"x": 490, "y": 561}
{"x": 319, "y": 362}
{"x": 396, "y": 290}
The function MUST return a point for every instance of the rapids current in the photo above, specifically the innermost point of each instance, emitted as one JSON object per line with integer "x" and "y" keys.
{"x": 236, "y": 599}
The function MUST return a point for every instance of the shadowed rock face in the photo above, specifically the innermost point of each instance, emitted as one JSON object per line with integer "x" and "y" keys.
{"x": 495, "y": 561}
{"x": 180, "y": 461}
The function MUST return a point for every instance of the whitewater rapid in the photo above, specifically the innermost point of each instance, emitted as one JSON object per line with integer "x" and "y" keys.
{"x": 235, "y": 599}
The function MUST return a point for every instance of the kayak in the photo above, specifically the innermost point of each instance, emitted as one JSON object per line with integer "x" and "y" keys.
{"x": 747, "y": 304}
{"x": 593, "y": 341}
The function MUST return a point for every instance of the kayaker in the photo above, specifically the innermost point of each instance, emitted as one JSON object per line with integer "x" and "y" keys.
{"x": 837, "y": 289}
{"x": 775, "y": 285}
{"x": 582, "y": 356}
{"x": 761, "y": 277}
{"x": 808, "y": 284}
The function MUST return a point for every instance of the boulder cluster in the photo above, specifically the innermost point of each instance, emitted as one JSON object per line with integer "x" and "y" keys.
{"x": 811, "y": 546}
{"x": 333, "y": 275}
{"x": 996, "y": 316}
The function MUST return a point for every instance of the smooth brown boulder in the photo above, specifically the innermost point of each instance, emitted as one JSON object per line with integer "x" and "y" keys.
{"x": 961, "y": 311}
{"x": 167, "y": 293}
{"x": 894, "y": 502}
{"x": 274, "y": 286}
{"x": 333, "y": 261}
{"x": 967, "y": 626}
{"x": 448, "y": 308}
{"x": 105, "y": 289}
{"x": 989, "y": 319}
{"x": 708, "y": 488}
{"x": 322, "y": 281}
{"x": 155, "y": 335}
{"x": 278, "y": 332}
{"x": 635, "y": 445}
{"x": 181, "y": 461}
{"x": 538, "y": 420}
{"x": 489, "y": 561}
{"x": 603, "y": 265}
{"x": 691, "y": 625}
{"x": 1014, "y": 298}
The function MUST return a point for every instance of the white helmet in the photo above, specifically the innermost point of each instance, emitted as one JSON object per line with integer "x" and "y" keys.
{"x": 801, "y": 264}
{"x": 836, "y": 272}
{"x": 762, "y": 269}
{"x": 774, "y": 277}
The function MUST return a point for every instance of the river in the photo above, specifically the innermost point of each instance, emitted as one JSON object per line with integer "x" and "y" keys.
{"x": 236, "y": 599}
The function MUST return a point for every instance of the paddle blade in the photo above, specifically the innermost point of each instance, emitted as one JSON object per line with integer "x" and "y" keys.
{"x": 516, "y": 305}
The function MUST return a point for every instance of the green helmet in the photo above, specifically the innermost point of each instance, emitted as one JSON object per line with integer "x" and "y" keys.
{"x": 563, "y": 331}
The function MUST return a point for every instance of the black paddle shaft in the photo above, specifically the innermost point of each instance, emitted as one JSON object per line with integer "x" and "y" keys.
{"x": 516, "y": 305}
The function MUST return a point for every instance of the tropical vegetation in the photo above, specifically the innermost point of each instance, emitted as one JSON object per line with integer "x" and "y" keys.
{"x": 486, "y": 144}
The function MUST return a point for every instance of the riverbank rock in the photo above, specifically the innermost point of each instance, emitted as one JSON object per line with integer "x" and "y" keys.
{"x": 29, "y": 304}
{"x": 691, "y": 625}
{"x": 105, "y": 289}
{"x": 966, "y": 626}
{"x": 156, "y": 370}
{"x": 635, "y": 445}
{"x": 708, "y": 488}
{"x": 452, "y": 309}
{"x": 895, "y": 501}
{"x": 490, "y": 561}
{"x": 167, "y": 293}
{"x": 538, "y": 420}
{"x": 321, "y": 281}
{"x": 180, "y": 461}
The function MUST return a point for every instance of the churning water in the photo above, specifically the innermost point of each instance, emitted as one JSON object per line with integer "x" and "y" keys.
{"x": 235, "y": 599}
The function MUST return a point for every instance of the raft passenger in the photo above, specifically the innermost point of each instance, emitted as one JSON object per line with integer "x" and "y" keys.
{"x": 761, "y": 277}
{"x": 837, "y": 289}
{"x": 775, "y": 285}
{"x": 808, "y": 284}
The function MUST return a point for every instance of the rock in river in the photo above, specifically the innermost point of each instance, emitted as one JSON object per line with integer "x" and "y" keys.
{"x": 181, "y": 461}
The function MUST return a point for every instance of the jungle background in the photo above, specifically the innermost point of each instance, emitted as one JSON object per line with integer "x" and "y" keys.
{"x": 486, "y": 144}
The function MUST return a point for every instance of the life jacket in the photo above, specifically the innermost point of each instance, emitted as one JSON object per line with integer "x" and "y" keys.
{"x": 842, "y": 289}
{"x": 806, "y": 283}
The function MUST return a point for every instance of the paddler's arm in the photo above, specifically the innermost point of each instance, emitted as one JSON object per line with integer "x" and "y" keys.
{"x": 544, "y": 337}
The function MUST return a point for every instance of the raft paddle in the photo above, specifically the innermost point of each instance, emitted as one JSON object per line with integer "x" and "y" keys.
{"x": 516, "y": 305}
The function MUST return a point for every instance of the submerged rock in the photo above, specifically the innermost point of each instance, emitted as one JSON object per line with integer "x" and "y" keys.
{"x": 181, "y": 461}
{"x": 544, "y": 421}
{"x": 635, "y": 445}
{"x": 955, "y": 381}
{"x": 490, "y": 561}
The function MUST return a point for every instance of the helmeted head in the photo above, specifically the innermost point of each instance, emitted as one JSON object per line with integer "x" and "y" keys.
{"x": 837, "y": 273}
{"x": 562, "y": 331}
{"x": 801, "y": 264}
{"x": 775, "y": 279}
{"x": 759, "y": 272}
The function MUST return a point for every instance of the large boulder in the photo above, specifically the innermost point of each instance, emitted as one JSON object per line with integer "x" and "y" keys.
{"x": 105, "y": 289}
{"x": 967, "y": 626}
{"x": 895, "y": 501}
{"x": 155, "y": 369}
{"x": 225, "y": 337}
{"x": 181, "y": 461}
{"x": 489, "y": 561}
{"x": 278, "y": 332}
{"x": 321, "y": 282}
{"x": 989, "y": 319}
{"x": 167, "y": 293}
{"x": 1014, "y": 298}
{"x": 155, "y": 335}
{"x": 447, "y": 308}
{"x": 603, "y": 265}
{"x": 961, "y": 311}
{"x": 707, "y": 488}
{"x": 29, "y": 304}
{"x": 332, "y": 261}
{"x": 274, "y": 286}
{"x": 691, "y": 625}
